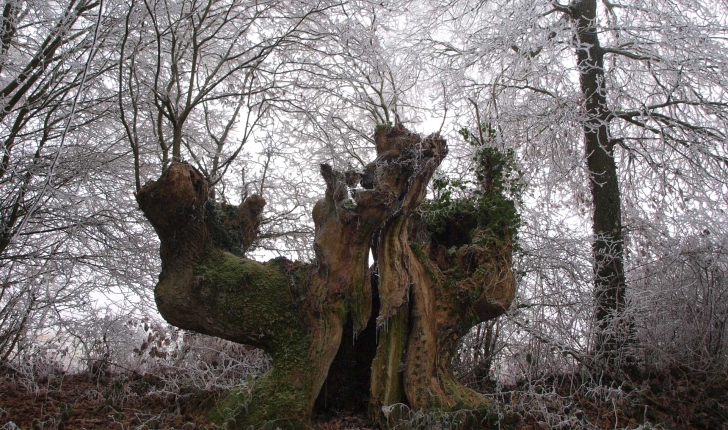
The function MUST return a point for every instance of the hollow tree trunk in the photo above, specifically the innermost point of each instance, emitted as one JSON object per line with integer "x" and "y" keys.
{"x": 409, "y": 311}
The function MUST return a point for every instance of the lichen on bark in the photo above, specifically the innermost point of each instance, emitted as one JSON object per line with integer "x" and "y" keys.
{"x": 407, "y": 312}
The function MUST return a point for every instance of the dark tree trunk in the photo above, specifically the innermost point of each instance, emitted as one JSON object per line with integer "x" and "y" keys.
{"x": 609, "y": 281}
{"x": 400, "y": 322}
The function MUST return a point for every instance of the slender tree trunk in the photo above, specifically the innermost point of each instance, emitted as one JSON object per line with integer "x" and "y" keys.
{"x": 609, "y": 282}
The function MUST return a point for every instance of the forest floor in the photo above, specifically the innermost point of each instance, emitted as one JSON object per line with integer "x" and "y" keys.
{"x": 137, "y": 402}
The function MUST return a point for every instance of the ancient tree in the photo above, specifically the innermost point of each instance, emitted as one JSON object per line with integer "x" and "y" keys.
{"x": 427, "y": 287}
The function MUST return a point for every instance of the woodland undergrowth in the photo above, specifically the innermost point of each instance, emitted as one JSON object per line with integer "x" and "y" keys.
{"x": 172, "y": 379}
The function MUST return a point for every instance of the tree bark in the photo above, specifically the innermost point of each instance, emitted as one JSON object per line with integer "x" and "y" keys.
{"x": 607, "y": 248}
{"x": 297, "y": 312}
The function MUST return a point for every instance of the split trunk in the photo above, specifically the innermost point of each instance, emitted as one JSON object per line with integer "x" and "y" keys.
{"x": 340, "y": 333}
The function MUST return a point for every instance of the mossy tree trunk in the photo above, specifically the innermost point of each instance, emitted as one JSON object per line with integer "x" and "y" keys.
{"x": 406, "y": 313}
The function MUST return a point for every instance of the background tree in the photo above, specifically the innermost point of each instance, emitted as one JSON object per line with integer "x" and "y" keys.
{"x": 522, "y": 72}
{"x": 209, "y": 74}
{"x": 56, "y": 226}
{"x": 210, "y": 87}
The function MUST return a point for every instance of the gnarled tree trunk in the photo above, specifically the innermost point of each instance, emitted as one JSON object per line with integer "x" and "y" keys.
{"x": 407, "y": 313}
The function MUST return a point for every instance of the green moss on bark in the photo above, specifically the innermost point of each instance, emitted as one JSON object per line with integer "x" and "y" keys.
{"x": 463, "y": 396}
{"x": 282, "y": 395}
{"x": 387, "y": 387}
{"x": 263, "y": 300}
{"x": 260, "y": 298}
